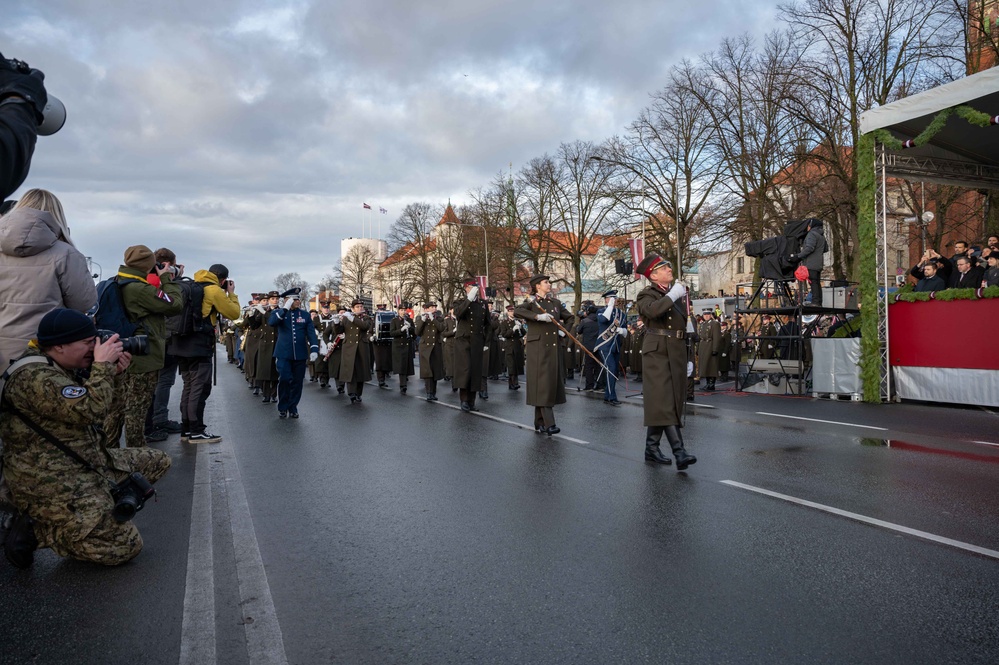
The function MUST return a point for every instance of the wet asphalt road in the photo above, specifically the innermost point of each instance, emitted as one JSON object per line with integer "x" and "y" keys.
{"x": 399, "y": 531}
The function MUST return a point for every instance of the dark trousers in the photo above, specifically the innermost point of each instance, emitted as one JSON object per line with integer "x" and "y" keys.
{"x": 466, "y": 396}
{"x": 431, "y": 385}
{"x": 291, "y": 376}
{"x": 815, "y": 286}
{"x": 611, "y": 360}
{"x": 544, "y": 416}
{"x": 590, "y": 370}
{"x": 196, "y": 373}
{"x": 161, "y": 398}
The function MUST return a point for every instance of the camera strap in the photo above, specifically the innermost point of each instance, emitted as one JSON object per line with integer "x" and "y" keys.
{"x": 53, "y": 440}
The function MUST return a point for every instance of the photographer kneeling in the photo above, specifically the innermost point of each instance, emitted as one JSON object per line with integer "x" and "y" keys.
{"x": 75, "y": 494}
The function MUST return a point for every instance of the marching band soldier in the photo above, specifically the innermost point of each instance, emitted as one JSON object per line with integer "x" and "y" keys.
{"x": 382, "y": 356}
{"x": 355, "y": 366}
{"x": 402, "y": 332}
{"x": 334, "y": 348}
{"x": 473, "y": 320}
{"x": 253, "y": 320}
{"x": 322, "y": 319}
{"x": 664, "y": 359}
{"x": 637, "y": 339}
{"x": 767, "y": 342}
{"x": 545, "y": 357}
{"x": 429, "y": 328}
{"x": 314, "y": 315}
{"x": 296, "y": 345}
{"x": 229, "y": 337}
{"x": 709, "y": 348}
{"x": 512, "y": 333}
{"x": 266, "y": 369}
{"x": 612, "y": 328}
{"x": 496, "y": 356}
{"x": 725, "y": 357}
{"x": 447, "y": 344}
{"x": 487, "y": 351}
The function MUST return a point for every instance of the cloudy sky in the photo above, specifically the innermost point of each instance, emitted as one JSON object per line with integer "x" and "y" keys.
{"x": 251, "y": 131}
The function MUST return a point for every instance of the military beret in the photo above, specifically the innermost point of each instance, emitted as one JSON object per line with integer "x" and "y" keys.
{"x": 64, "y": 326}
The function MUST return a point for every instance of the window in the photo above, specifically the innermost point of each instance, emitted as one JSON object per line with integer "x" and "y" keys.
{"x": 740, "y": 265}
{"x": 899, "y": 258}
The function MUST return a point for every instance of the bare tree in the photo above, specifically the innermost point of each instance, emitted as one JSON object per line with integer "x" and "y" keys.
{"x": 581, "y": 205}
{"x": 535, "y": 205}
{"x": 356, "y": 271}
{"x": 290, "y": 280}
{"x": 667, "y": 165}
{"x": 861, "y": 54}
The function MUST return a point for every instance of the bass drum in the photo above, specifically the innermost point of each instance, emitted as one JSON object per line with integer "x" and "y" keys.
{"x": 383, "y": 322}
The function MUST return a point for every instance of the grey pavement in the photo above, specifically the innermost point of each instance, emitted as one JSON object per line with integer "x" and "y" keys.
{"x": 401, "y": 531}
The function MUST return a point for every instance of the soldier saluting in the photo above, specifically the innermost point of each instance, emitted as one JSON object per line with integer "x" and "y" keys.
{"x": 545, "y": 360}
{"x": 662, "y": 308}
{"x": 296, "y": 346}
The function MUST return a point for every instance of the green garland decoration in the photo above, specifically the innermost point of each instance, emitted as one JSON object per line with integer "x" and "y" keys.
{"x": 870, "y": 347}
{"x": 967, "y": 113}
{"x": 906, "y": 294}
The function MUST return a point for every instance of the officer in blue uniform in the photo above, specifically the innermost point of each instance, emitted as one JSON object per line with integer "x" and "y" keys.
{"x": 613, "y": 326}
{"x": 297, "y": 344}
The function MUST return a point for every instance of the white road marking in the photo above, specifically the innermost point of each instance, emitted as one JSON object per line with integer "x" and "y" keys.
{"x": 816, "y": 420}
{"x": 264, "y": 642}
{"x": 987, "y": 443}
{"x": 702, "y": 406}
{"x": 869, "y": 520}
{"x": 511, "y": 422}
{"x": 197, "y": 634}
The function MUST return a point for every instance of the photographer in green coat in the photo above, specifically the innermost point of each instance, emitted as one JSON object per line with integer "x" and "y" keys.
{"x": 149, "y": 296}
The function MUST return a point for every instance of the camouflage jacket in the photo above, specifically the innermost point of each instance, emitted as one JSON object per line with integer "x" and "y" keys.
{"x": 51, "y": 486}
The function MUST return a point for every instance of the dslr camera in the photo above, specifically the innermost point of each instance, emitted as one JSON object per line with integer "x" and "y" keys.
{"x": 137, "y": 345}
{"x": 54, "y": 113}
{"x": 130, "y": 495}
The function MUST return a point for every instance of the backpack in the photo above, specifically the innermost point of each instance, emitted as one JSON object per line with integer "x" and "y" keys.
{"x": 109, "y": 313}
{"x": 190, "y": 334}
{"x": 189, "y": 320}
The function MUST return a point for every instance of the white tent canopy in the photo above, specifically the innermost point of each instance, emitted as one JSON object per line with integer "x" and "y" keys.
{"x": 960, "y": 153}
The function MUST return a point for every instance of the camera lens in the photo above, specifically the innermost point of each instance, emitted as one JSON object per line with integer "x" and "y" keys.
{"x": 125, "y": 508}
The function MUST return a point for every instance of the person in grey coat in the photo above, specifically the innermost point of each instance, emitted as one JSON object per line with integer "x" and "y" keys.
{"x": 810, "y": 255}
{"x": 40, "y": 270}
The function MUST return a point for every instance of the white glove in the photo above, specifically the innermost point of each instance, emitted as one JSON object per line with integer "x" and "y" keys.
{"x": 690, "y": 369}
{"x": 678, "y": 291}
{"x": 260, "y": 308}
{"x": 286, "y": 303}
{"x": 426, "y": 317}
{"x": 349, "y": 315}
{"x": 561, "y": 334}
{"x": 544, "y": 318}
{"x": 485, "y": 348}
{"x": 313, "y": 357}
{"x": 613, "y": 301}
{"x": 474, "y": 293}
{"x": 622, "y": 331}
{"x": 406, "y": 326}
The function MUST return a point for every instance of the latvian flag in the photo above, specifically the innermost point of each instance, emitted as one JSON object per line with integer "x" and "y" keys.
{"x": 382, "y": 210}
{"x": 398, "y": 301}
{"x": 367, "y": 207}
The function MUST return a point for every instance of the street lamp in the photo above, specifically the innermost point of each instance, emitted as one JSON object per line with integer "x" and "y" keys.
{"x": 485, "y": 238}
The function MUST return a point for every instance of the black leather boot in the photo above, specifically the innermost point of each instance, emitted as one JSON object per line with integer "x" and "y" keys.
{"x": 652, "y": 451}
{"x": 683, "y": 459}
